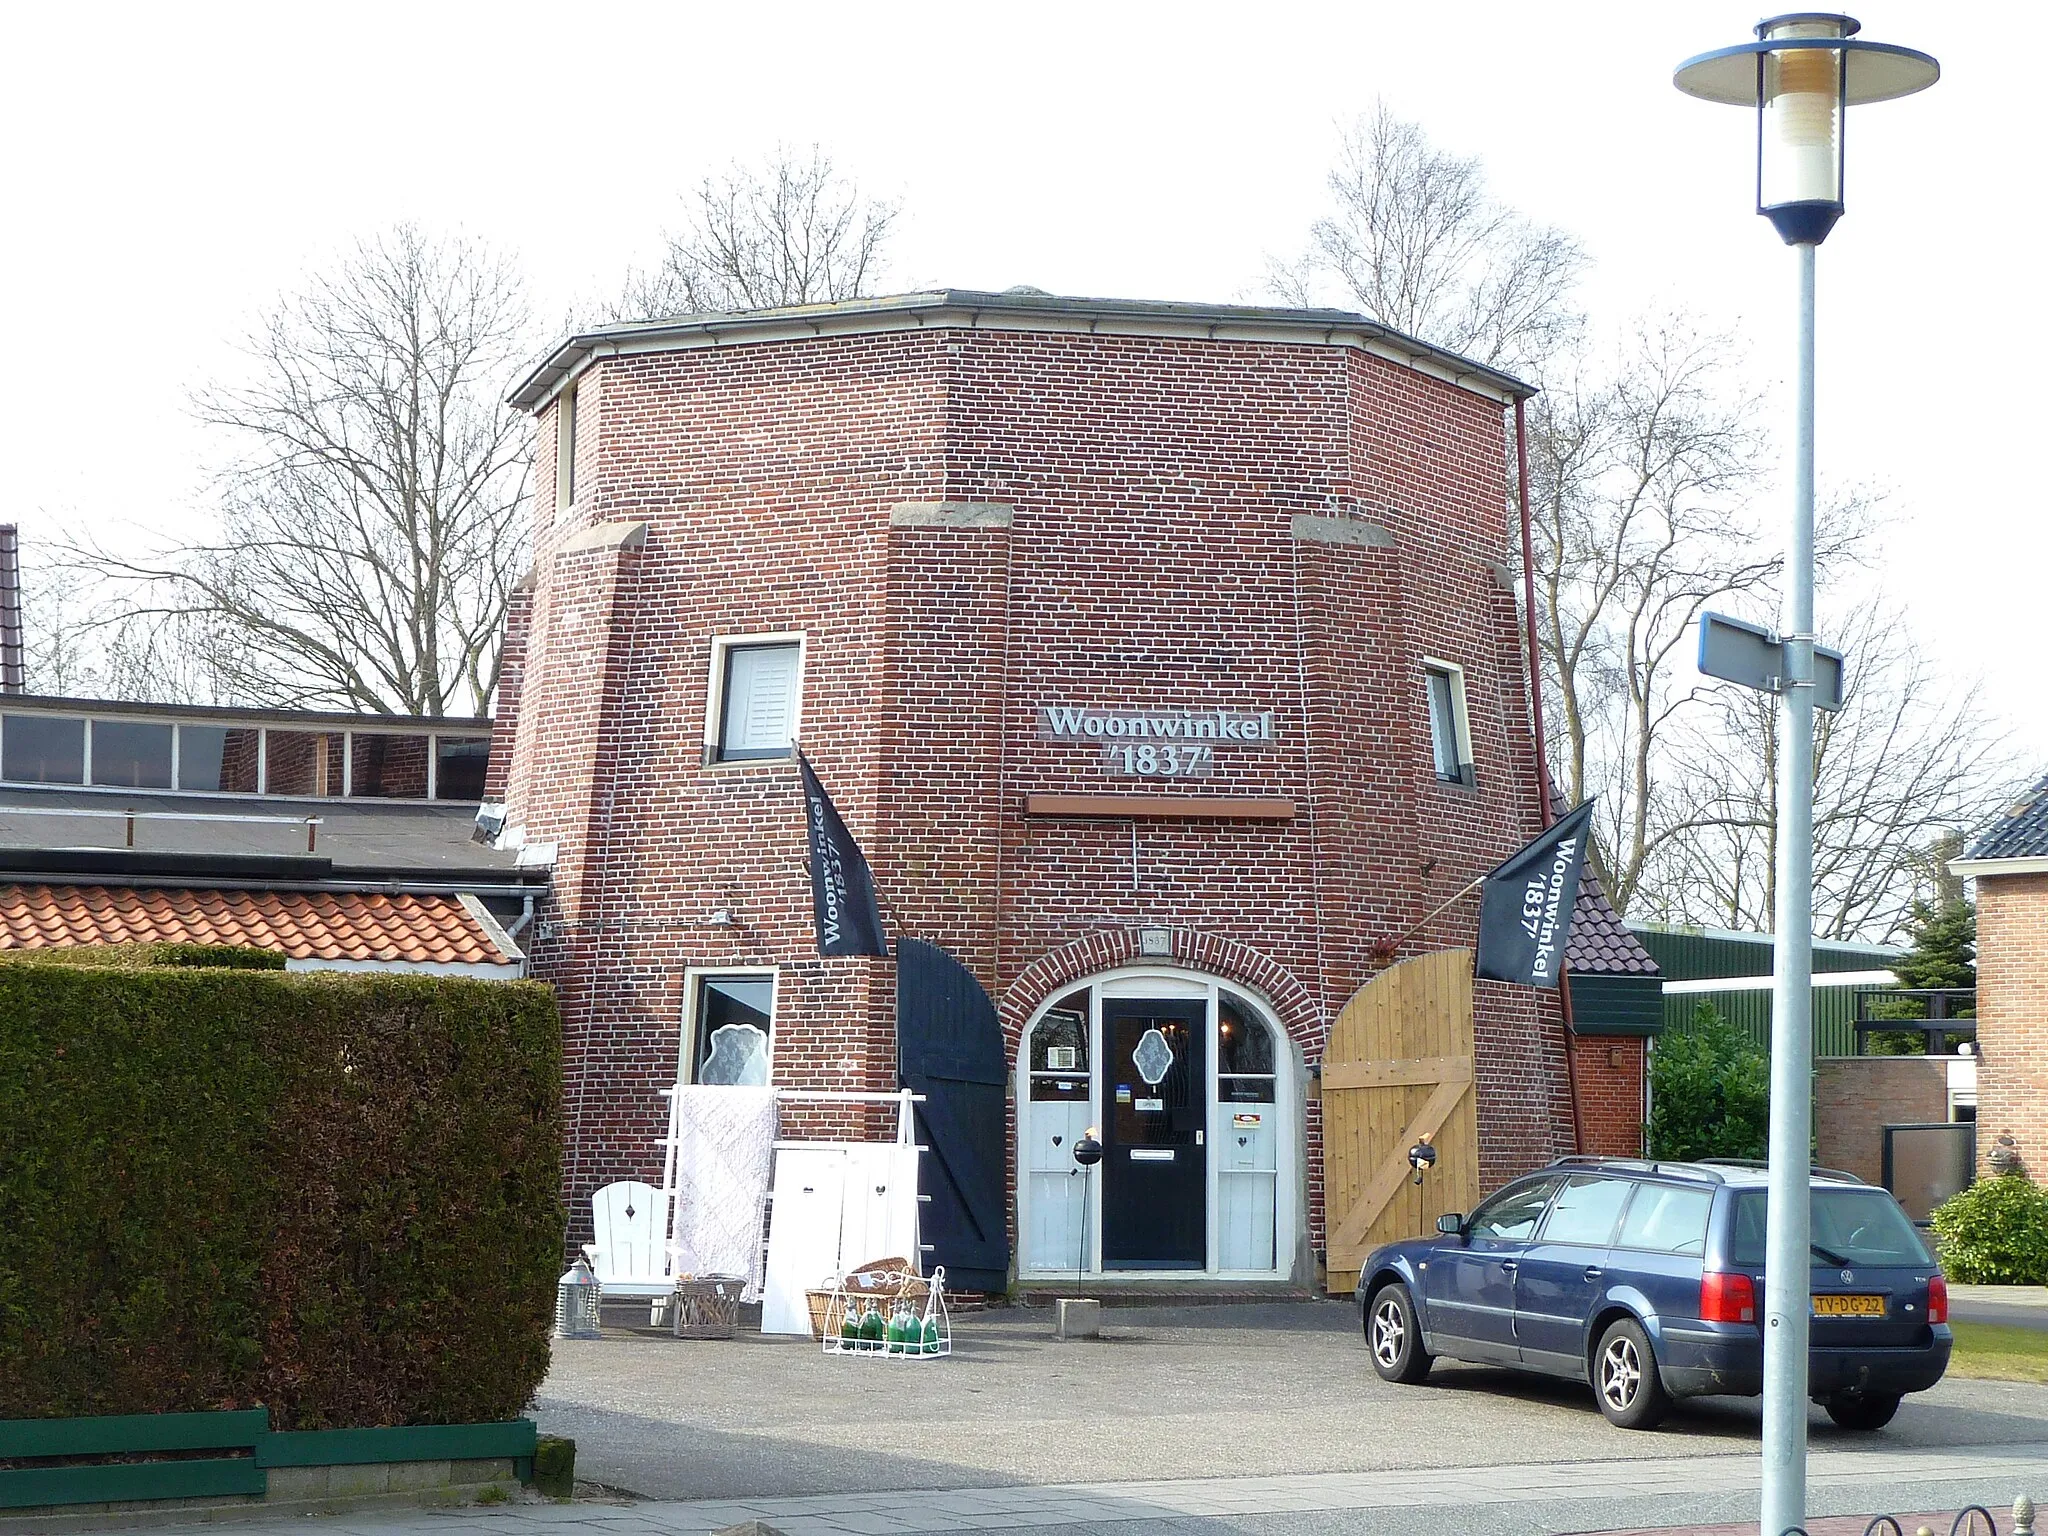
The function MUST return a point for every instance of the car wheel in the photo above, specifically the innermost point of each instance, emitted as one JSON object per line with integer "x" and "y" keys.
{"x": 1862, "y": 1413}
{"x": 1394, "y": 1337}
{"x": 1625, "y": 1377}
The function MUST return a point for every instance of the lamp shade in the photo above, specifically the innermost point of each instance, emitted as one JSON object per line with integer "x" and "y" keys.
{"x": 1801, "y": 76}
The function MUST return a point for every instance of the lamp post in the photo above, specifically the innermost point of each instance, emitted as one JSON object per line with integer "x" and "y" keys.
{"x": 1800, "y": 77}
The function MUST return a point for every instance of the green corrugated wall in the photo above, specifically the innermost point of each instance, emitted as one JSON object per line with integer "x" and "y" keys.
{"x": 1705, "y": 957}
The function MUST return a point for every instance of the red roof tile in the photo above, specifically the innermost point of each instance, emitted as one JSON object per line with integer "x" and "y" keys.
{"x": 303, "y": 925}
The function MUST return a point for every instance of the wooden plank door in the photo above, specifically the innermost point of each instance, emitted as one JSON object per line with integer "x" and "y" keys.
{"x": 1398, "y": 1068}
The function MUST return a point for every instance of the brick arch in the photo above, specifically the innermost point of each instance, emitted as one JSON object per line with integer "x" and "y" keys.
{"x": 1289, "y": 998}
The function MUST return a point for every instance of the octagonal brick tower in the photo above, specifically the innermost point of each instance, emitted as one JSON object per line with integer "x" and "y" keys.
{"x": 1012, "y": 540}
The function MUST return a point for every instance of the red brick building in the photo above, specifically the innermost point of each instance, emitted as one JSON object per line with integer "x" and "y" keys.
{"x": 1162, "y": 657}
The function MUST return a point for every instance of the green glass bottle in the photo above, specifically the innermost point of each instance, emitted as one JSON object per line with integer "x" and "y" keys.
{"x": 849, "y": 1327}
{"x": 930, "y": 1335}
{"x": 897, "y": 1340}
{"x": 872, "y": 1328}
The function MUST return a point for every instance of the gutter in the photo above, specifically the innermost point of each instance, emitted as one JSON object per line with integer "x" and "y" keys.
{"x": 1977, "y": 869}
{"x": 968, "y": 310}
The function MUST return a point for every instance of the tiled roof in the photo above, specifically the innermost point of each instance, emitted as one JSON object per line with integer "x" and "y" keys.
{"x": 2022, "y": 831}
{"x": 1600, "y": 942}
{"x": 303, "y": 925}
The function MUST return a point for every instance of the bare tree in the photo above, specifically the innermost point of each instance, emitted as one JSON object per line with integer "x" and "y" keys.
{"x": 1640, "y": 467}
{"x": 1907, "y": 760}
{"x": 791, "y": 230}
{"x": 1415, "y": 241}
{"x": 372, "y": 518}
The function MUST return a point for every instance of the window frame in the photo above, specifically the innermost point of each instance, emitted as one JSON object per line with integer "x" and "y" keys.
{"x": 694, "y": 978}
{"x": 565, "y": 449}
{"x": 722, "y": 647}
{"x": 1459, "y": 725}
{"x": 1549, "y": 1183}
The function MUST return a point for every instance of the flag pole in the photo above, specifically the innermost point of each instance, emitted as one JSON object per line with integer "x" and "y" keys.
{"x": 1385, "y": 949}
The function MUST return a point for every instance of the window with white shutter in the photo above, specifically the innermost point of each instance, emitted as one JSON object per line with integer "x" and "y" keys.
{"x": 758, "y": 704}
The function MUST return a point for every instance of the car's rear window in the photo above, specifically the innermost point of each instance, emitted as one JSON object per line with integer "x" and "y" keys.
{"x": 1850, "y": 1226}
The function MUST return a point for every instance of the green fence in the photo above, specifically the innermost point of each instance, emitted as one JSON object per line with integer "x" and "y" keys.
{"x": 1749, "y": 1010}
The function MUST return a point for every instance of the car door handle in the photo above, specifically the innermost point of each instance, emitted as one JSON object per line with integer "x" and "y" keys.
{"x": 1593, "y": 1271}
{"x": 1509, "y": 1265}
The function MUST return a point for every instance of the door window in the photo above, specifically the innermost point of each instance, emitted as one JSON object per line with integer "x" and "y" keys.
{"x": 1511, "y": 1215}
{"x": 1664, "y": 1218}
{"x": 1586, "y": 1211}
{"x": 1059, "y": 1052}
{"x": 1244, "y": 1054}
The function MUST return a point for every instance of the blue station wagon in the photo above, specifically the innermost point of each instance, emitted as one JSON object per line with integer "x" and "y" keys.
{"x": 1645, "y": 1280}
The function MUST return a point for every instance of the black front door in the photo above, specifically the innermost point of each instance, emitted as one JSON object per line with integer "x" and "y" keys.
{"x": 1155, "y": 1171}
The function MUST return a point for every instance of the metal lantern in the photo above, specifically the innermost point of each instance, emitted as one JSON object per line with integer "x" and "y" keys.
{"x": 576, "y": 1297}
{"x": 1801, "y": 75}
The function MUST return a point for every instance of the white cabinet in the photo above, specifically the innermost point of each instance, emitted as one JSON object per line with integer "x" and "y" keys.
{"x": 835, "y": 1206}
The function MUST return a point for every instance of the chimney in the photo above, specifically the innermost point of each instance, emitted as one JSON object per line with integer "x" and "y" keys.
{"x": 13, "y": 673}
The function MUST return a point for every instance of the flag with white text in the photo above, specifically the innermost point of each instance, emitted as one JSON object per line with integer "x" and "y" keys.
{"x": 842, "y": 889}
{"x": 1525, "y": 909}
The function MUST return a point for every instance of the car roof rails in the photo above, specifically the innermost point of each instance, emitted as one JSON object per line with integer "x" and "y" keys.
{"x": 1758, "y": 1165}
{"x": 1675, "y": 1169}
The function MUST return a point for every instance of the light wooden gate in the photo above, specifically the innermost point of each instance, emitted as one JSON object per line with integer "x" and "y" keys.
{"x": 1398, "y": 1068}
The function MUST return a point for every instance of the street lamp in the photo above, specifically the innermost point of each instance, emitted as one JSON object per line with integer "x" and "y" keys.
{"x": 1800, "y": 76}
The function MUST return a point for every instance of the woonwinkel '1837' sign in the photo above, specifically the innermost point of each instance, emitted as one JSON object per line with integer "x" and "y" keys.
{"x": 1157, "y": 743}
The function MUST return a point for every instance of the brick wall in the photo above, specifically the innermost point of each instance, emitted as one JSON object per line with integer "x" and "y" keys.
{"x": 1609, "y": 1075}
{"x": 967, "y": 525}
{"x": 2012, "y": 1016}
{"x": 1856, "y": 1097}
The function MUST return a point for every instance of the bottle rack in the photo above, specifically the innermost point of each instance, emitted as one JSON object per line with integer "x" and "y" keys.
{"x": 895, "y": 1294}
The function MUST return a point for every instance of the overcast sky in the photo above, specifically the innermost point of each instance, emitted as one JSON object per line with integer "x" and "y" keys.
{"x": 169, "y": 170}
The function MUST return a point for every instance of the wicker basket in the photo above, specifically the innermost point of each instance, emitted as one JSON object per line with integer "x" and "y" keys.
{"x": 707, "y": 1309}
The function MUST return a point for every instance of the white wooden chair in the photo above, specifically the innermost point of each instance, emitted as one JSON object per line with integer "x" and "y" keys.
{"x": 631, "y": 1254}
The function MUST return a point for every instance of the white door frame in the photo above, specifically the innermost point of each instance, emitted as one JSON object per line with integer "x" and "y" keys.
{"x": 1174, "y": 981}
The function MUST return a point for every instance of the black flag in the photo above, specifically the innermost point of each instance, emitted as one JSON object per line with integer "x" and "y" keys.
{"x": 1525, "y": 911}
{"x": 842, "y": 889}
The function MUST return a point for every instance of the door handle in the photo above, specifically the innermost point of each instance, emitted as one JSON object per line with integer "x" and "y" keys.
{"x": 1593, "y": 1271}
{"x": 1509, "y": 1265}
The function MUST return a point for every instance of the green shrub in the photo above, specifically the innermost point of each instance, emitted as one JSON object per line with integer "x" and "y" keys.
{"x": 1710, "y": 1092}
{"x": 332, "y": 1195}
{"x": 144, "y": 955}
{"x": 1995, "y": 1232}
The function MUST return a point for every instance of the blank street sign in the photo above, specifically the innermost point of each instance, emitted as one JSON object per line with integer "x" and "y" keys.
{"x": 1749, "y": 654}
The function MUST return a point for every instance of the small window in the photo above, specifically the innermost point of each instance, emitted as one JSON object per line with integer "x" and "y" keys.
{"x": 1059, "y": 1052}
{"x": 1512, "y": 1215}
{"x": 131, "y": 755}
{"x": 218, "y": 757}
{"x": 382, "y": 767}
{"x": 1666, "y": 1219}
{"x": 1586, "y": 1211}
{"x": 565, "y": 449}
{"x": 757, "y": 704}
{"x": 42, "y": 749}
{"x": 730, "y": 1034}
{"x": 1244, "y": 1053}
{"x": 459, "y": 766}
{"x": 1450, "y": 732}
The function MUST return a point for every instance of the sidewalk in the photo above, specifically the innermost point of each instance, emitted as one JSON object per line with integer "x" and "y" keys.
{"x": 2014, "y": 1306}
{"x": 1547, "y": 1497}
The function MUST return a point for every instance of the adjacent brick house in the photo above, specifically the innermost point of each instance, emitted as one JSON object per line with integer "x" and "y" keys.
{"x": 2010, "y": 866}
{"x": 1152, "y": 651}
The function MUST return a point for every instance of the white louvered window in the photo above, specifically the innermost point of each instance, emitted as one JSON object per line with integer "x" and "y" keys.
{"x": 758, "y": 707}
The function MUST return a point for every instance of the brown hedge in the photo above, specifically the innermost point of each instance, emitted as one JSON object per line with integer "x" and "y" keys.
{"x": 332, "y": 1195}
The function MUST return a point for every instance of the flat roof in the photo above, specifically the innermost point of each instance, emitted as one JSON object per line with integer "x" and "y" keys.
{"x": 1013, "y": 310}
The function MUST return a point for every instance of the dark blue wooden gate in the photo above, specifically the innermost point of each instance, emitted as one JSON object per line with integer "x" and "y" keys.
{"x": 949, "y": 1048}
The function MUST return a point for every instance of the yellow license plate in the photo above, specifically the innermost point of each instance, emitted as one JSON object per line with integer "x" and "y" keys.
{"x": 1848, "y": 1306}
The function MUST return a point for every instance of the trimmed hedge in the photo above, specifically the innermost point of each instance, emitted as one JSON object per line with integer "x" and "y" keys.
{"x": 142, "y": 956}
{"x": 336, "y": 1196}
{"x": 1995, "y": 1232}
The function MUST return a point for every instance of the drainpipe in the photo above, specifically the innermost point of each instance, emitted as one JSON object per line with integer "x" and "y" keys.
{"x": 1564, "y": 987}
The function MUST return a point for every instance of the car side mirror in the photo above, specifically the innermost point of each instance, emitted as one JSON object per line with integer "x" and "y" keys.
{"x": 1451, "y": 1223}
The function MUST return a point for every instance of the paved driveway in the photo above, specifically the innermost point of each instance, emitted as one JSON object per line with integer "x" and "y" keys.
{"x": 1204, "y": 1392}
